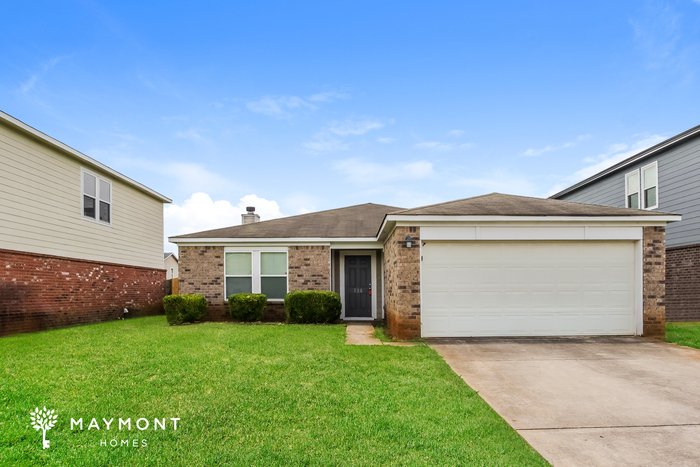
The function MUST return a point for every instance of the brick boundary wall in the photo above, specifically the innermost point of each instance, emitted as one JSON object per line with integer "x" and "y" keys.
{"x": 202, "y": 272}
{"x": 683, "y": 283}
{"x": 39, "y": 292}
{"x": 654, "y": 281}
{"x": 402, "y": 283}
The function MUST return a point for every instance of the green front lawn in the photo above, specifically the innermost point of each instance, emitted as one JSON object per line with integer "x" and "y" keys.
{"x": 245, "y": 395}
{"x": 684, "y": 333}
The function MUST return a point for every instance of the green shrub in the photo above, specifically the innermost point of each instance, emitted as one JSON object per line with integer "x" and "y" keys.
{"x": 184, "y": 308}
{"x": 313, "y": 306}
{"x": 247, "y": 306}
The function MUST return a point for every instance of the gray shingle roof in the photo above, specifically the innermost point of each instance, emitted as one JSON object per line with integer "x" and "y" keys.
{"x": 362, "y": 220}
{"x": 497, "y": 204}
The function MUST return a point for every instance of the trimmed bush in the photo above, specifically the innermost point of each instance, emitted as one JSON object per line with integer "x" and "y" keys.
{"x": 247, "y": 306}
{"x": 184, "y": 308}
{"x": 313, "y": 306}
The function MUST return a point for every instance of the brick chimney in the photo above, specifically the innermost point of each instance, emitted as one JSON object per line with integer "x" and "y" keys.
{"x": 249, "y": 217}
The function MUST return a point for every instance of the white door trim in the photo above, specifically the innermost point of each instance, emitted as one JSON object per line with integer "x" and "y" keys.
{"x": 373, "y": 257}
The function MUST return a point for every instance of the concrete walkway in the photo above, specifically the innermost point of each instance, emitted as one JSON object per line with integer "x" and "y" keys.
{"x": 363, "y": 334}
{"x": 615, "y": 401}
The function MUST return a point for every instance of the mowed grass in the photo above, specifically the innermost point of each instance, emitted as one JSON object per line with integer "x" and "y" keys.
{"x": 684, "y": 333}
{"x": 260, "y": 395}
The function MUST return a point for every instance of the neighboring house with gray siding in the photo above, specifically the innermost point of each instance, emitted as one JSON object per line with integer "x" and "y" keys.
{"x": 665, "y": 177}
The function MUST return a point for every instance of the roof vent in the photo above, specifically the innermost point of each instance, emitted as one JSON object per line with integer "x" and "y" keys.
{"x": 249, "y": 217}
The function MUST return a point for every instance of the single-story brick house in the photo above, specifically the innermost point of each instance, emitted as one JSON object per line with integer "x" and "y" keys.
{"x": 492, "y": 265}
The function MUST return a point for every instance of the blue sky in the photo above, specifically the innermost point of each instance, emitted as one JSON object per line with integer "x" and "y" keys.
{"x": 302, "y": 106}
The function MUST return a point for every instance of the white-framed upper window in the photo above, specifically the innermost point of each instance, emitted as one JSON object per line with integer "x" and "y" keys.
{"x": 650, "y": 186}
{"x": 172, "y": 273}
{"x": 259, "y": 270}
{"x": 97, "y": 198}
{"x": 632, "y": 190}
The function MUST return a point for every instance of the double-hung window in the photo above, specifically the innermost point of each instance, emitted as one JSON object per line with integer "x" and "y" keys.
{"x": 632, "y": 190}
{"x": 256, "y": 271}
{"x": 650, "y": 186}
{"x": 97, "y": 198}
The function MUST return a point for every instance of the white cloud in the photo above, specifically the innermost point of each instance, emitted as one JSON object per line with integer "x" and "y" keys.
{"x": 330, "y": 137}
{"x": 284, "y": 106}
{"x": 330, "y": 96}
{"x": 325, "y": 144}
{"x": 657, "y": 31}
{"x": 387, "y": 140}
{"x": 361, "y": 171}
{"x": 441, "y": 146}
{"x": 549, "y": 148}
{"x": 349, "y": 127}
{"x": 28, "y": 85}
{"x": 615, "y": 153}
{"x": 194, "y": 135}
{"x": 200, "y": 212}
{"x": 456, "y": 133}
{"x": 278, "y": 106}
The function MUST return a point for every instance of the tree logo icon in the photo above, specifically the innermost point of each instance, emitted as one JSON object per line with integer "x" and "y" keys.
{"x": 43, "y": 420}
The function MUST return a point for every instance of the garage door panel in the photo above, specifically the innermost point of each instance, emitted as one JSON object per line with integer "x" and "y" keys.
{"x": 473, "y": 288}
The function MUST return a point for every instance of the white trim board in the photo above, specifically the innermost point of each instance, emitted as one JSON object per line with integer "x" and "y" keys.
{"x": 530, "y": 233}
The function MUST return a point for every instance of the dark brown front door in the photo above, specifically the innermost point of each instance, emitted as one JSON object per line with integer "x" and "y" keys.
{"x": 358, "y": 287}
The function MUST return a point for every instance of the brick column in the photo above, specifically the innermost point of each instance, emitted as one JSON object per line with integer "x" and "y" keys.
{"x": 309, "y": 268}
{"x": 201, "y": 271}
{"x": 654, "y": 281}
{"x": 402, "y": 283}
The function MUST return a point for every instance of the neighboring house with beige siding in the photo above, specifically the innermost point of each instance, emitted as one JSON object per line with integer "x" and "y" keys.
{"x": 79, "y": 242}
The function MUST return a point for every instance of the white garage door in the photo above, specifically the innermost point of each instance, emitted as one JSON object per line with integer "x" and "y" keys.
{"x": 527, "y": 288}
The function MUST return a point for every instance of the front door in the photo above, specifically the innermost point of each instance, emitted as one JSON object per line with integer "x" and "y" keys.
{"x": 358, "y": 286}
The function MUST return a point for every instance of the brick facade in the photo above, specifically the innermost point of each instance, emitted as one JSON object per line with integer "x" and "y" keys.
{"x": 654, "y": 281}
{"x": 402, "y": 283}
{"x": 683, "y": 283}
{"x": 39, "y": 292}
{"x": 309, "y": 268}
{"x": 202, "y": 272}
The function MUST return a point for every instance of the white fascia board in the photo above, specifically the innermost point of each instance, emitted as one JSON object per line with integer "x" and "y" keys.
{"x": 357, "y": 245}
{"x": 79, "y": 155}
{"x": 284, "y": 241}
{"x": 653, "y": 220}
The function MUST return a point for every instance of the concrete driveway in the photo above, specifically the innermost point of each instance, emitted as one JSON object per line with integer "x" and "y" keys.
{"x": 601, "y": 401}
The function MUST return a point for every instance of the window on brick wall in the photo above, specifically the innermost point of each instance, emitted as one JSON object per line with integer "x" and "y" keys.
{"x": 97, "y": 198}
{"x": 256, "y": 271}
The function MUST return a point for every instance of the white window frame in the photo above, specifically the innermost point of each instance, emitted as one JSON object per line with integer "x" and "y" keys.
{"x": 98, "y": 178}
{"x": 255, "y": 272}
{"x": 642, "y": 198}
{"x": 627, "y": 193}
{"x": 172, "y": 273}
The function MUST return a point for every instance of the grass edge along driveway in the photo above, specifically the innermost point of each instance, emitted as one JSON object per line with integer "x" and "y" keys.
{"x": 245, "y": 395}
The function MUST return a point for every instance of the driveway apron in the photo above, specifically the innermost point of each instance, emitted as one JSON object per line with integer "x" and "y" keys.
{"x": 598, "y": 401}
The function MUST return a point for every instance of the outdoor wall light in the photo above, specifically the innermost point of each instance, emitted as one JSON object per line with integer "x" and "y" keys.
{"x": 408, "y": 241}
